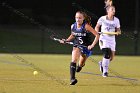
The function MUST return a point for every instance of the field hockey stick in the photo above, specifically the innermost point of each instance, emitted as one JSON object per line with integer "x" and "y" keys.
{"x": 67, "y": 42}
{"x": 109, "y": 33}
{"x": 84, "y": 49}
{"x": 56, "y": 39}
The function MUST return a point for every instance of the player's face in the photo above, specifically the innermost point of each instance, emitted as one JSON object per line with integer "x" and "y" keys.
{"x": 111, "y": 11}
{"x": 79, "y": 18}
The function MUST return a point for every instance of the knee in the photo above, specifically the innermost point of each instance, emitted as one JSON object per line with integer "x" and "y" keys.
{"x": 106, "y": 53}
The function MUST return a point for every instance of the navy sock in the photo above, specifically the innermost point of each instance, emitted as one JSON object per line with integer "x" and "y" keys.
{"x": 72, "y": 70}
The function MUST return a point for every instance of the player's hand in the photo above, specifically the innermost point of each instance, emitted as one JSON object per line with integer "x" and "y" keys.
{"x": 118, "y": 33}
{"x": 90, "y": 47}
{"x": 62, "y": 41}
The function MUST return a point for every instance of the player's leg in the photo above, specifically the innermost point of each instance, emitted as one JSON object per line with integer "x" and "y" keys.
{"x": 109, "y": 54}
{"x": 113, "y": 49}
{"x": 100, "y": 62}
{"x": 106, "y": 60}
{"x": 103, "y": 44}
{"x": 112, "y": 55}
{"x": 81, "y": 62}
{"x": 75, "y": 57}
{"x": 100, "y": 65}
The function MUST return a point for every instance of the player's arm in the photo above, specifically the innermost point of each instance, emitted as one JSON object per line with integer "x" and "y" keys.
{"x": 69, "y": 39}
{"x": 90, "y": 29}
{"x": 97, "y": 27}
{"x": 118, "y": 30}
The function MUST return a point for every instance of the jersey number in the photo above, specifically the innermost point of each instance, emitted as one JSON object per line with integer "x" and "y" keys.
{"x": 80, "y": 40}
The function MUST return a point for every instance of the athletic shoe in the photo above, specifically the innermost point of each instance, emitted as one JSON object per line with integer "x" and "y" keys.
{"x": 105, "y": 74}
{"x": 73, "y": 81}
{"x": 100, "y": 65}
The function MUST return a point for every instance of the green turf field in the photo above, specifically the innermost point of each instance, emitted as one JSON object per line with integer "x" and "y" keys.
{"x": 16, "y": 75}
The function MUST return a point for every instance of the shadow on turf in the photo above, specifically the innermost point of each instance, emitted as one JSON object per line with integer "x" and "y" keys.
{"x": 110, "y": 76}
{"x": 13, "y": 63}
{"x": 132, "y": 81}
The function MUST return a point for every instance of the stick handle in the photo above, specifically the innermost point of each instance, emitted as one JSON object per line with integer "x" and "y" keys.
{"x": 109, "y": 33}
{"x": 71, "y": 43}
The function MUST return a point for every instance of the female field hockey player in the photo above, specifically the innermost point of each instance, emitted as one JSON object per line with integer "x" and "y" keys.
{"x": 82, "y": 46}
{"x": 107, "y": 43}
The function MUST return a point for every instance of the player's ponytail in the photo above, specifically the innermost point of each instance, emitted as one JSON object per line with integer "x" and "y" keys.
{"x": 108, "y": 3}
{"x": 88, "y": 19}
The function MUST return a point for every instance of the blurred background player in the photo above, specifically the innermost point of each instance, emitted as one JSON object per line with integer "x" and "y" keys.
{"x": 80, "y": 32}
{"x": 107, "y": 43}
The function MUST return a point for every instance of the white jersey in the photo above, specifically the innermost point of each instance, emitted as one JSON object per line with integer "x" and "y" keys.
{"x": 108, "y": 26}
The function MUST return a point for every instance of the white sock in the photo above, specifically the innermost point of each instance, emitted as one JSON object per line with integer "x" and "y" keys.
{"x": 100, "y": 64}
{"x": 105, "y": 64}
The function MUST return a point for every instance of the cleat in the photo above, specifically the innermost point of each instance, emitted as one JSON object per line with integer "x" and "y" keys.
{"x": 101, "y": 67}
{"x": 105, "y": 74}
{"x": 73, "y": 81}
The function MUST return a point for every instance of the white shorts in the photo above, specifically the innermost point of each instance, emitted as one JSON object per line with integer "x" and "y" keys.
{"x": 107, "y": 44}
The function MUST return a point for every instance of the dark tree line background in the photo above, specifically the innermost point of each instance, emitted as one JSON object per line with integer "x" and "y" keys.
{"x": 58, "y": 15}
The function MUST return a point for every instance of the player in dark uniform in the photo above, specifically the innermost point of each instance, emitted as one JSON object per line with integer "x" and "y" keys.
{"x": 82, "y": 46}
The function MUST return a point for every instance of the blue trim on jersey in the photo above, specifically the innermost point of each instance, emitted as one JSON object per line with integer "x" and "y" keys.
{"x": 81, "y": 29}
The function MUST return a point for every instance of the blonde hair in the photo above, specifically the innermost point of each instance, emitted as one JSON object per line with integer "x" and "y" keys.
{"x": 108, "y": 3}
